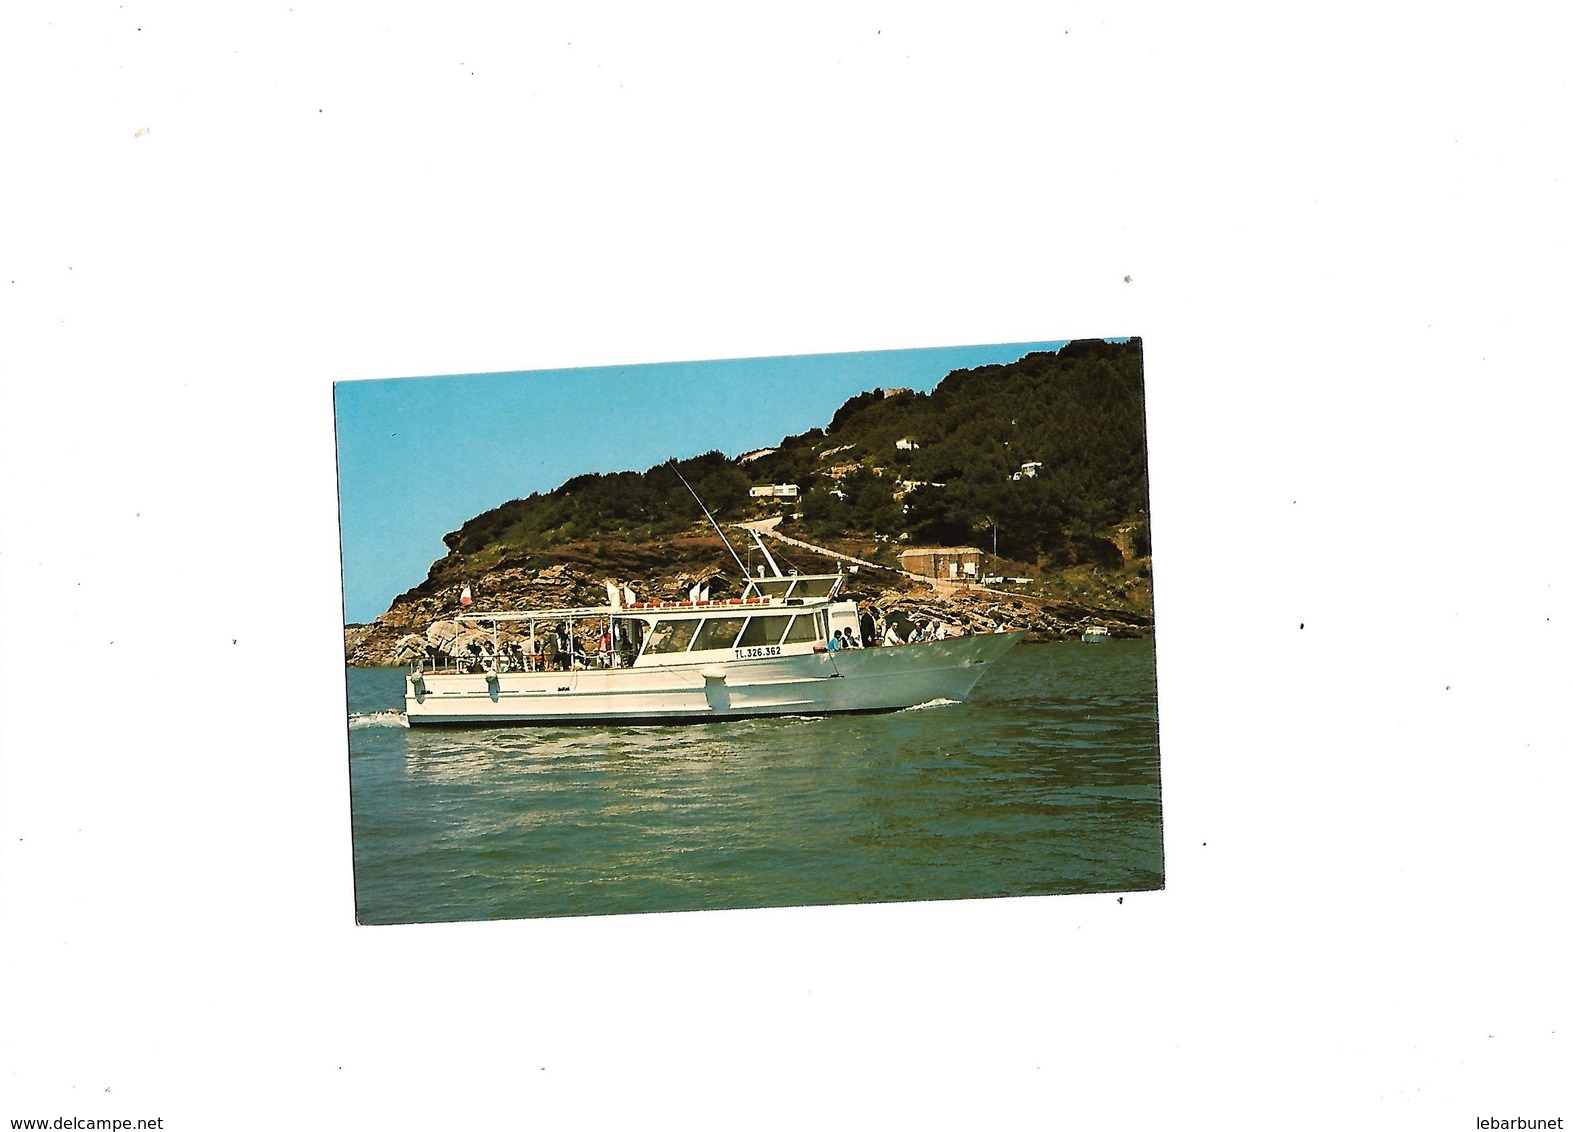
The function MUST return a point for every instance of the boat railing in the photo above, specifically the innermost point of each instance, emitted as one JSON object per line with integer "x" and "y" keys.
{"x": 518, "y": 662}
{"x": 631, "y": 609}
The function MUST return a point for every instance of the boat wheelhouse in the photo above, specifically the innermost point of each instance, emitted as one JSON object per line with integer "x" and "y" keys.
{"x": 776, "y": 650}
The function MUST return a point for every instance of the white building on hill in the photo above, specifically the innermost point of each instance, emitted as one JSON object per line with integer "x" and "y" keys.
{"x": 951, "y": 563}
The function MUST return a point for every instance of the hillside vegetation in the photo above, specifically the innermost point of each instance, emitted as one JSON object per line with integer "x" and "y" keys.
{"x": 1041, "y": 463}
{"x": 1077, "y": 414}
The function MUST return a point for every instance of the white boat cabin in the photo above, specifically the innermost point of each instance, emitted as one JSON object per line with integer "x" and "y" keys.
{"x": 778, "y": 616}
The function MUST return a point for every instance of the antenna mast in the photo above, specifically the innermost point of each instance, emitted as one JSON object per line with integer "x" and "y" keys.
{"x": 765, "y": 550}
{"x": 740, "y": 567}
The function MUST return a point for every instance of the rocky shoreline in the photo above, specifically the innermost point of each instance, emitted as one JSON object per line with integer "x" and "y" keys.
{"x": 525, "y": 586}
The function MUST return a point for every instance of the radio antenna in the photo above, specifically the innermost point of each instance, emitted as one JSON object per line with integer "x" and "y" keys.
{"x": 740, "y": 567}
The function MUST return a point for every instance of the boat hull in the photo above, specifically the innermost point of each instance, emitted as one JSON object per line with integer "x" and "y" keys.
{"x": 823, "y": 683}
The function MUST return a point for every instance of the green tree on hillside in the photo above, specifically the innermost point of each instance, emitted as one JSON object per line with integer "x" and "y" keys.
{"x": 1074, "y": 418}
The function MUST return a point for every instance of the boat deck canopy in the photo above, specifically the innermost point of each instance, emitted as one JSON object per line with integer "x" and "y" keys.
{"x": 793, "y": 589}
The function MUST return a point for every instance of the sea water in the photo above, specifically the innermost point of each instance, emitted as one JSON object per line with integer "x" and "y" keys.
{"x": 1045, "y": 780}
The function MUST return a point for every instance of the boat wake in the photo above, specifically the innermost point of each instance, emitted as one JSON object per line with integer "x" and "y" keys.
{"x": 941, "y": 702}
{"x": 389, "y": 718}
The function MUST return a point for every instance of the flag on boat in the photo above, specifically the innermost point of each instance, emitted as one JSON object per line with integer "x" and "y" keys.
{"x": 464, "y": 595}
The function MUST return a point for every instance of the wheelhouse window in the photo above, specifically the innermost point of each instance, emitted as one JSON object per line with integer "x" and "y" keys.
{"x": 814, "y": 587}
{"x": 806, "y": 627}
{"x": 794, "y": 586}
{"x": 763, "y": 631}
{"x": 671, "y": 636}
{"x": 717, "y": 633}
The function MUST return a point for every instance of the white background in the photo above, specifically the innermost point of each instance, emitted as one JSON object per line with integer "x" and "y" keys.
{"x": 1346, "y": 235}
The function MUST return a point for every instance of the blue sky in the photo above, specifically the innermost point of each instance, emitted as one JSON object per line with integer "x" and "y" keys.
{"x": 419, "y": 456}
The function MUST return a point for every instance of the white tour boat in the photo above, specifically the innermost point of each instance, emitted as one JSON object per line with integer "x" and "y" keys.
{"x": 768, "y": 652}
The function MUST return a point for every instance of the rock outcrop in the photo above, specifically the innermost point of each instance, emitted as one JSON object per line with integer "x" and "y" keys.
{"x": 578, "y": 577}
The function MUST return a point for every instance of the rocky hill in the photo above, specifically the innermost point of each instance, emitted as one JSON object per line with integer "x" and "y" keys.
{"x": 1041, "y": 463}
{"x": 576, "y": 576}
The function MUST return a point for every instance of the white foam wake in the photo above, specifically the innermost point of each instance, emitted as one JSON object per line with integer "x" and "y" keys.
{"x": 389, "y": 718}
{"x": 941, "y": 702}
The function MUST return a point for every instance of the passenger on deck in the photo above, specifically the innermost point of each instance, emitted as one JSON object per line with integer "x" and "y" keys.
{"x": 627, "y": 642}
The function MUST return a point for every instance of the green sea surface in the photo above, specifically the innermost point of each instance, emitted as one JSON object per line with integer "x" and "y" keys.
{"x": 1044, "y": 781}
